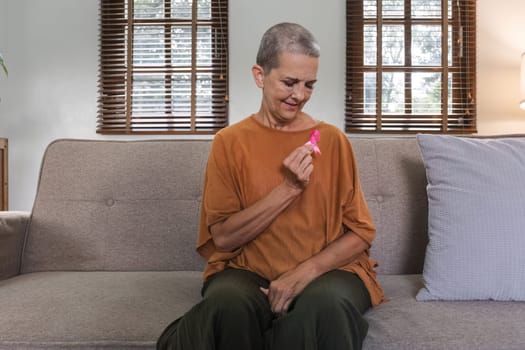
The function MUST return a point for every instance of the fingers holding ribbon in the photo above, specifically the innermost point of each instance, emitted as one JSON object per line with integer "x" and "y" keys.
{"x": 299, "y": 164}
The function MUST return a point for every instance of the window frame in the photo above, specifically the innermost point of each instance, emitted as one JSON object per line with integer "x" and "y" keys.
{"x": 117, "y": 113}
{"x": 456, "y": 116}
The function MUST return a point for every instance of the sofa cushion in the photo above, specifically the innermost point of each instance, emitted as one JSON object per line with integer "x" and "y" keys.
{"x": 93, "y": 310}
{"x": 476, "y": 218}
{"x": 404, "y": 323}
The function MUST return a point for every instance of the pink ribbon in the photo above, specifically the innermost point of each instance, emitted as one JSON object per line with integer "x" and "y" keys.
{"x": 315, "y": 136}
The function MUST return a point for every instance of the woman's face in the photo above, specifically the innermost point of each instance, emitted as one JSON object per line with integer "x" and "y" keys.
{"x": 287, "y": 88}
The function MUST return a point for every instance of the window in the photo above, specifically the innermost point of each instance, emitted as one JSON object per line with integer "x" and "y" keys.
{"x": 411, "y": 66}
{"x": 163, "y": 66}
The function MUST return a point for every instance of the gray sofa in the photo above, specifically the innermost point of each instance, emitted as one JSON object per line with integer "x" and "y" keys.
{"x": 106, "y": 258}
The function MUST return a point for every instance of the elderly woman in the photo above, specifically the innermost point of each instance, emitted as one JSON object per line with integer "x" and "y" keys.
{"x": 284, "y": 225}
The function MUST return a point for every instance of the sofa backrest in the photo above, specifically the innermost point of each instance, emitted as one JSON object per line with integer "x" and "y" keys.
{"x": 394, "y": 182}
{"x": 134, "y": 205}
{"x": 117, "y": 205}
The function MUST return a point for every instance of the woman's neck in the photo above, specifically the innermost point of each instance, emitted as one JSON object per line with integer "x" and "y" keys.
{"x": 302, "y": 122}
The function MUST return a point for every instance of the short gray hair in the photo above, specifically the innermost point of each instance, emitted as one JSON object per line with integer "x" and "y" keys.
{"x": 285, "y": 37}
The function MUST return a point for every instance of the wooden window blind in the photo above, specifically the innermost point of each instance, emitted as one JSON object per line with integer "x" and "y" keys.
{"x": 163, "y": 66}
{"x": 411, "y": 66}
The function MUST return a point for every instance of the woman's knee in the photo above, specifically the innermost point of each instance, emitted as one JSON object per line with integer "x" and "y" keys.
{"x": 333, "y": 293}
{"x": 236, "y": 294}
{"x": 230, "y": 302}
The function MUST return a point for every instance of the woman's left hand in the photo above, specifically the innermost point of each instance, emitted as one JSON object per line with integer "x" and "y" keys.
{"x": 286, "y": 287}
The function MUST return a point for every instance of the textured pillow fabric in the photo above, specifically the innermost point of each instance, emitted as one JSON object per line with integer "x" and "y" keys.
{"x": 476, "y": 222}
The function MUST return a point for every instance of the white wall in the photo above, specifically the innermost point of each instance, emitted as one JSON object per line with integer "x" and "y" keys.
{"x": 51, "y": 49}
{"x": 500, "y": 44}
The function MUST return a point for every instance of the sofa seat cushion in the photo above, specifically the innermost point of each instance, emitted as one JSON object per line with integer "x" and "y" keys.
{"x": 93, "y": 310}
{"x": 404, "y": 323}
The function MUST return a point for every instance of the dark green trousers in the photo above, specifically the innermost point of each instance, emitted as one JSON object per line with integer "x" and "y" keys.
{"x": 235, "y": 315}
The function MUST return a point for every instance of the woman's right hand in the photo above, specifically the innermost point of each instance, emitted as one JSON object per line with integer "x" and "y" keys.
{"x": 298, "y": 167}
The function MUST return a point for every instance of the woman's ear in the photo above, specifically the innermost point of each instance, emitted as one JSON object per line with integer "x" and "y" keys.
{"x": 258, "y": 75}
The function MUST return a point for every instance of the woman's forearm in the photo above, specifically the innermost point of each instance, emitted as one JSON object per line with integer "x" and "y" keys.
{"x": 243, "y": 226}
{"x": 339, "y": 253}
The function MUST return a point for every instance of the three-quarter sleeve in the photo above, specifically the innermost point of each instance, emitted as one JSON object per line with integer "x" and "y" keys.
{"x": 220, "y": 197}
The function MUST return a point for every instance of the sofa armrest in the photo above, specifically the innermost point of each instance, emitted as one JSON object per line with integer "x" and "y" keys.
{"x": 13, "y": 226}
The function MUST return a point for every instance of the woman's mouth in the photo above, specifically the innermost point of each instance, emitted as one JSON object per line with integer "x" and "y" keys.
{"x": 291, "y": 106}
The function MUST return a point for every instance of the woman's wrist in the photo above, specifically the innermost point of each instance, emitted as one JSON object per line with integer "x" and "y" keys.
{"x": 292, "y": 188}
{"x": 312, "y": 268}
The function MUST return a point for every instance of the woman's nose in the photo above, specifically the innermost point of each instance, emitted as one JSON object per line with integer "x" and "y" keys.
{"x": 298, "y": 92}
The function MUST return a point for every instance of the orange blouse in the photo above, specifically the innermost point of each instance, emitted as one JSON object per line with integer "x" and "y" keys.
{"x": 245, "y": 163}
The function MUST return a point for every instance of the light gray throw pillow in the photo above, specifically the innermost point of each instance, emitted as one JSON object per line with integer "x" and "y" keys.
{"x": 476, "y": 194}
